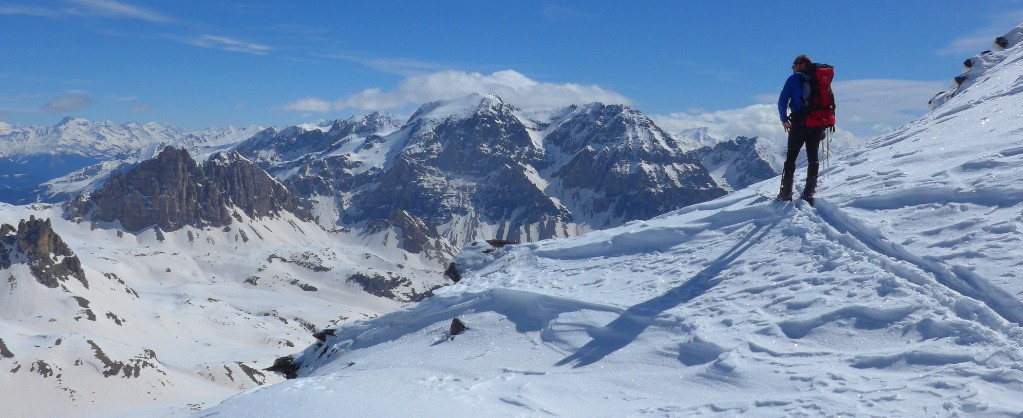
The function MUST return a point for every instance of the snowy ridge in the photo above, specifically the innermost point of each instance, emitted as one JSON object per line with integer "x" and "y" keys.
{"x": 897, "y": 295}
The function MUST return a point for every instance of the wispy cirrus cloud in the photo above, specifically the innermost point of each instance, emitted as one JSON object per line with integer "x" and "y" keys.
{"x": 101, "y": 8}
{"x": 510, "y": 85}
{"x": 397, "y": 66}
{"x": 15, "y": 9}
{"x": 140, "y": 107}
{"x": 230, "y": 44}
{"x": 111, "y": 8}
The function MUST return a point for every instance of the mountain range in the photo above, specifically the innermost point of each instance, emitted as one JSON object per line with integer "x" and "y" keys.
{"x": 171, "y": 268}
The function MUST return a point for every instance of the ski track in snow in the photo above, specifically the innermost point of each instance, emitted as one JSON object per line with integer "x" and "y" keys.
{"x": 957, "y": 278}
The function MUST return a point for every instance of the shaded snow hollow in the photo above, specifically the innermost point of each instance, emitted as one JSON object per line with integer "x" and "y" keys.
{"x": 897, "y": 295}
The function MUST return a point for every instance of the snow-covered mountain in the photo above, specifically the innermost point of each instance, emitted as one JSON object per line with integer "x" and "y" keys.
{"x": 479, "y": 168}
{"x": 35, "y": 159}
{"x": 897, "y": 295}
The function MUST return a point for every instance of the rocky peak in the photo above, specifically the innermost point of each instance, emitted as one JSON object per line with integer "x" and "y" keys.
{"x": 172, "y": 190}
{"x": 601, "y": 125}
{"x": 473, "y": 135}
{"x": 49, "y": 259}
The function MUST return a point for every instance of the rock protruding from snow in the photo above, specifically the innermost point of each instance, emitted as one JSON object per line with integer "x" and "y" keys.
{"x": 172, "y": 191}
{"x": 976, "y": 67}
{"x": 35, "y": 243}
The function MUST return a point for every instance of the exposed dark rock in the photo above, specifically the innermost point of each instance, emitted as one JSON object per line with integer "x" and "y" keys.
{"x": 452, "y": 272}
{"x": 43, "y": 368}
{"x": 49, "y": 259}
{"x": 172, "y": 191}
{"x": 387, "y": 286}
{"x": 285, "y": 366}
{"x": 457, "y": 327}
{"x": 133, "y": 368}
{"x": 84, "y": 304}
{"x": 322, "y": 335}
{"x": 4, "y": 351}
{"x": 256, "y": 376}
{"x": 497, "y": 243}
{"x": 309, "y": 260}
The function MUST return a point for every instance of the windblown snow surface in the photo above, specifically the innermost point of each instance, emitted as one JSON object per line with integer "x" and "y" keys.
{"x": 898, "y": 295}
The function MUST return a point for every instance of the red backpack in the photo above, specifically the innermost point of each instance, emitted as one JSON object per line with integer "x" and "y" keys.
{"x": 820, "y": 102}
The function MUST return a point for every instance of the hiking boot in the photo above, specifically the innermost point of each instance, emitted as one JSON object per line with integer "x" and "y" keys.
{"x": 807, "y": 198}
{"x": 783, "y": 198}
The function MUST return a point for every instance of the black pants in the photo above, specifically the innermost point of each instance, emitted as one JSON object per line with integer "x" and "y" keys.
{"x": 798, "y": 136}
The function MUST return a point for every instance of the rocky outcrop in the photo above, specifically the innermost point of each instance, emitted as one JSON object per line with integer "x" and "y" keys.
{"x": 172, "y": 191}
{"x": 388, "y": 286}
{"x": 35, "y": 242}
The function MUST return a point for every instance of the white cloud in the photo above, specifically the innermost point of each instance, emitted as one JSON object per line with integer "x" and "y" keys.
{"x": 510, "y": 85}
{"x": 309, "y": 104}
{"x": 874, "y": 107}
{"x": 756, "y": 120}
{"x": 69, "y": 103}
{"x": 229, "y": 44}
{"x": 983, "y": 39}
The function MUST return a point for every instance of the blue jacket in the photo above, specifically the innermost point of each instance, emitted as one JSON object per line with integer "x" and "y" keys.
{"x": 791, "y": 97}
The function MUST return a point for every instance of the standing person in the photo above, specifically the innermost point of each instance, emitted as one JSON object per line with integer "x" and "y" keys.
{"x": 794, "y": 99}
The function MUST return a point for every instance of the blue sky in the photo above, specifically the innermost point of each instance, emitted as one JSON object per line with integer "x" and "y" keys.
{"x": 271, "y": 63}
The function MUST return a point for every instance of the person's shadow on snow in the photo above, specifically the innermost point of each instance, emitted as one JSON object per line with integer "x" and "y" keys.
{"x": 624, "y": 330}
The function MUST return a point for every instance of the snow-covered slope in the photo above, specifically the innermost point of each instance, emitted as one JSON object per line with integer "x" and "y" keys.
{"x": 171, "y": 321}
{"x": 898, "y": 295}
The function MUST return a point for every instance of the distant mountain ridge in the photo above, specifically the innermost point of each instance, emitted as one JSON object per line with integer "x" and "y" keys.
{"x": 33, "y": 156}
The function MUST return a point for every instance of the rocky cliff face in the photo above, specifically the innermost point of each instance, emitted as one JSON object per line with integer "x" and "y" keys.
{"x": 35, "y": 243}
{"x": 172, "y": 190}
